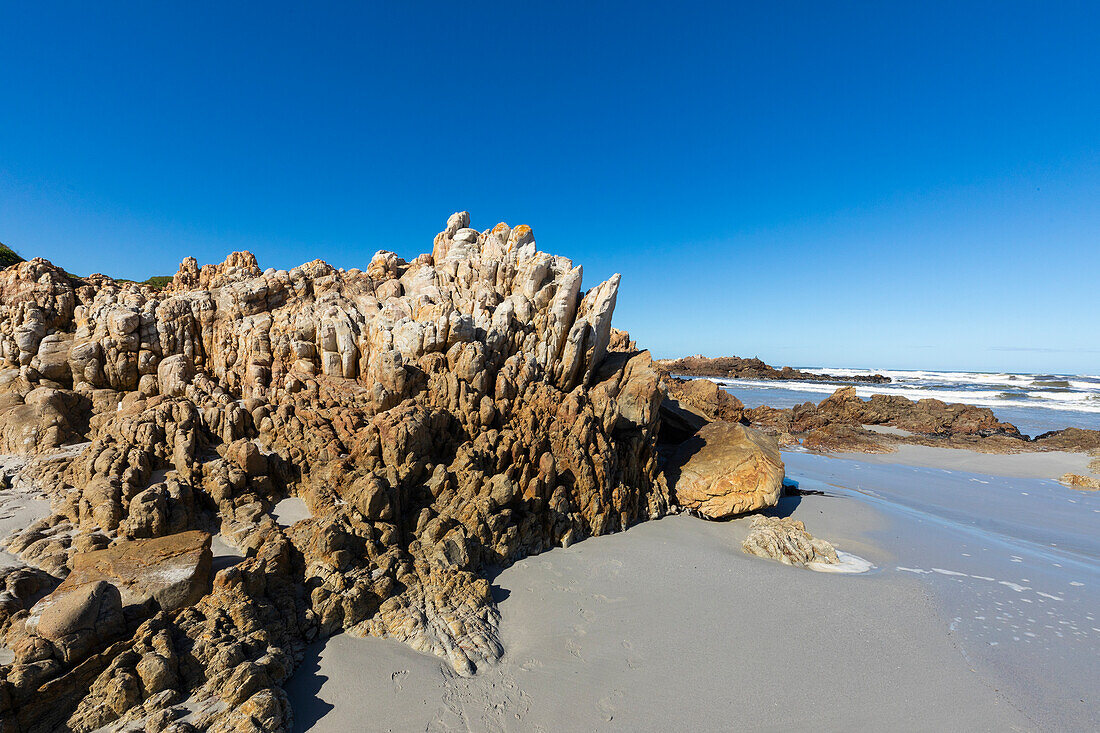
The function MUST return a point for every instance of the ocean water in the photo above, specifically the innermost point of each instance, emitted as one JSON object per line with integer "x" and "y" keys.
{"x": 1034, "y": 403}
{"x": 1013, "y": 565}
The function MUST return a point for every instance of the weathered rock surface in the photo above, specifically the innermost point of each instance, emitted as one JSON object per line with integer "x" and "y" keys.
{"x": 786, "y": 540}
{"x": 76, "y": 618}
{"x": 844, "y": 438}
{"x": 726, "y": 469}
{"x": 1070, "y": 439}
{"x": 173, "y": 571}
{"x": 927, "y": 416}
{"x": 40, "y": 419}
{"x": 462, "y": 410}
{"x": 839, "y": 423}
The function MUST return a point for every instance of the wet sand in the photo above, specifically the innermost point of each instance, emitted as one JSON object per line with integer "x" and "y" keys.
{"x": 1035, "y": 464}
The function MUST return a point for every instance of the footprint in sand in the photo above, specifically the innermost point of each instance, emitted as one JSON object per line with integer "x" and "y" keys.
{"x": 631, "y": 661}
{"x": 579, "y": 630}
{"x": 531, "y": 665}
{"x": 549, "y": 567}
{"x": 587, "y": 615}
{"x": 606, "y": 705}
{"x": 573, "y": 648}
{"x": 395, "y": 678}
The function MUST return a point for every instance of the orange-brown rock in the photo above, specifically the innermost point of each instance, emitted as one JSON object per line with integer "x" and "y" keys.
{"x": 1083, "y": 483}
{"x": 707, "y": 398}
{"x": 172, "y": 571}
{"x": 843, "y": 438}
{"x": 726, "y": 469}
{"x": 735, "y": 367}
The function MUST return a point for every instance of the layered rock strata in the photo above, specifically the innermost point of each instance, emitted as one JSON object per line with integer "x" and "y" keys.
{"x": 438, "y": 416}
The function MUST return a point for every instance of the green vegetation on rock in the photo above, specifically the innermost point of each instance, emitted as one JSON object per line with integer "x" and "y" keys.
{"x": 8, "y": 256}
{"x": 158, "y": 281}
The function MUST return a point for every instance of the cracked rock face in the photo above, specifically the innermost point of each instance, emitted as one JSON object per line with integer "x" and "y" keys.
{"x": 439, "y": 416}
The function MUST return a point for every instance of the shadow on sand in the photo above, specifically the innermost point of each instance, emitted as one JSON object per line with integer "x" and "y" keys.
{"x": 303, "y": 688}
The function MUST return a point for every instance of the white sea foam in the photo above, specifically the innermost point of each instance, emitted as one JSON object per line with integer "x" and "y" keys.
{"x": 848, "y": 563}
{"x": 1076, "y": 381}
{"x": 1079, "y": 401}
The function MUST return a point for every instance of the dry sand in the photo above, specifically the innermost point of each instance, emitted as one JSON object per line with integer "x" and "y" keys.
{"x": 19, "y": 507}
{"x": 981, "y": 614}
{"x": 669, "y": 626}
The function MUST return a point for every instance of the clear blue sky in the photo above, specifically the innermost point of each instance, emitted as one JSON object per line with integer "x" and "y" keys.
{"x": 848, "y": 184}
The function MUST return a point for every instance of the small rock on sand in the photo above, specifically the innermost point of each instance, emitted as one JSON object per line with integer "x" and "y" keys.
{"x": 1082, "y": 483}
{"x": 786, "y": 540}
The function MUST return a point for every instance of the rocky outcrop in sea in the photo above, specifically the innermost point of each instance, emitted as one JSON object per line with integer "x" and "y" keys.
{"x": 843, "y": 422}
{"x": 736, "y": 367}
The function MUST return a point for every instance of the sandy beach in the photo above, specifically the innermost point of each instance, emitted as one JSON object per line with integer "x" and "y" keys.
{"x": 979, "y": 614}
{"x": 966, "y": 622}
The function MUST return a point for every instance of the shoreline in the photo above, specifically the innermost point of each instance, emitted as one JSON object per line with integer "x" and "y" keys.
{"x": 593, "y": 634}
{"x": 610, "y": 634}
{"x": 631, "y": 630}
{"x": 736, "y": 367}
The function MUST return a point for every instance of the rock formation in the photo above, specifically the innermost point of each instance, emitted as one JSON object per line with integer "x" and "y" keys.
{"x": 839, "y": 423}
{"x": 438, "y": 416}
{"x": 734, "y": 367}
{"x": 927, "y": 416}
{"x": 786, "y": 540}
{"x": 706, "y": 398}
